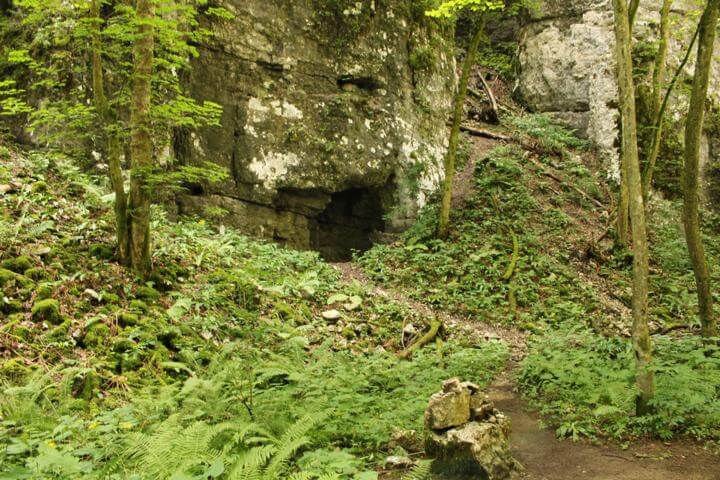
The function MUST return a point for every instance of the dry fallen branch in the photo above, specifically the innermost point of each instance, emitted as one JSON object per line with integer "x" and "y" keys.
{"x": 485, "y": 133}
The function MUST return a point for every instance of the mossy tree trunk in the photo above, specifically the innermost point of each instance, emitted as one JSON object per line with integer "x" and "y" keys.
{"x": 458, "y": 112}
{"x": 693, "y": 137}
{"x": 110, "y": 143}
{"x": 641, "y": 333}
{"x": 141, "y": 144}
{"x": 660, "y": 107}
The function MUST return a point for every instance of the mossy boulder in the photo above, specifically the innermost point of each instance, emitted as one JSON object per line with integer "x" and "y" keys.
{"x": 96, "y": 335}
{"x": 7, "y": 277}
{"x": 44, "y": 291}
{"x": 148, "y": 294}
{"x": 59, "y": 333}
{"x": 101, "y": 251}
{"x": 86, "y": 385}
{"x": 14, "y": 371}
{"x": 110, "y": 298}
{"x": 18, "y": 264}
{"x": 138, "y": 306}
{"x": 127, "y": 319}
{"x": 170, "y": 336}
{"x": 10, "y": 305}
{"x": 39, "y": 187}
{"x": 47, "y": 310}
{"x": 122, "y": 344}
{"x": 36, "y": 273}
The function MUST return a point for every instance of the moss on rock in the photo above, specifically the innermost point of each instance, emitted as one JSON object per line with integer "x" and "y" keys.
{"x": 44, "y": 291}
{"x": 47, "y": 310}
{"x": 148, "y": 294}
{"x": 96, "y": 335}
{"x": 14, "y": 371}
{"x": 35, "y": 273}
{"x": 18, "y": 264}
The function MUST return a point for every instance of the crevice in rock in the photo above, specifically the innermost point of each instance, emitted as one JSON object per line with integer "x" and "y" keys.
{"x": 369, "y": 84}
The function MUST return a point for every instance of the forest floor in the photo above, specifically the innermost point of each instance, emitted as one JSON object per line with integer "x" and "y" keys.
{"x": 242, "y": 343}
{"x": 542, "y": 455}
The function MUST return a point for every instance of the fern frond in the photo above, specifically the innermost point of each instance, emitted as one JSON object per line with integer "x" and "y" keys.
{"x": 421, "y": 471}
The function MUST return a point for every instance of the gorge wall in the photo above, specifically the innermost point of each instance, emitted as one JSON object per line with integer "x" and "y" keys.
{"x": 567, "y": 67}
{"x": 334, "y": 119}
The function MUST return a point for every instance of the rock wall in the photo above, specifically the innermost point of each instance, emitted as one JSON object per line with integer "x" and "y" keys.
{"x": 334, "y": 119}
{"x": 567, "y": 65}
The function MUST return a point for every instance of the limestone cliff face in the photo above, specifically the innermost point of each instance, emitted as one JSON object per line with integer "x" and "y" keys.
{"x": 567, "y": 65}
{"x": 334, "y": 119}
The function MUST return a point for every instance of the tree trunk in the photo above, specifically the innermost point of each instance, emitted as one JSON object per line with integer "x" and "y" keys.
{"x": 641, "y": 333}
{"x": 141, "y": 145}
{"x": 110, "y": 142}
{"x": 444, "y": 221}
{"x": 660, "y": 118}
{"x": 623, "y": 215}
{"x": 693, "y": 137}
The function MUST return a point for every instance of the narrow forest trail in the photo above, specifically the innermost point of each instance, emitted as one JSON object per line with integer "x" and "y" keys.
{"x": 542, "y": 454}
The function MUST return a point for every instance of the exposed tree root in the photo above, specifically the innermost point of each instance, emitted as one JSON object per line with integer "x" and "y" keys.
{"x": 422, "y": 341}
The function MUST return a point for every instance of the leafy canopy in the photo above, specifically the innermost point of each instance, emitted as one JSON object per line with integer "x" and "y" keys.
{"x": 451, "y": 8}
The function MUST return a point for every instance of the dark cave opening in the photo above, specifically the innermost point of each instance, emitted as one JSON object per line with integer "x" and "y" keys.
{"x": 348, "y": 223}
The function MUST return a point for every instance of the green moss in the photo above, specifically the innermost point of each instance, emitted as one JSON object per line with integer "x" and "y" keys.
{"x": 148, "y": 294}
{"x": 86, "y": 385}
{"x": 138, "y": 306}
{"x": 170, "y": 336}
{"x": 39, "y": 187}
{"x": 101, "y": 251}
{"x": 422, "y": 59}
{"x": 349, "y": 332}
{"x": 8, "y": 306}
{"x": 110, "y": 298}
{"x": 121, "y": 345}
{"x": 60, "y": 332}
{"x": 44, "y": 291}
{"x": 128, "y": 319}
{"x": 7, "y": 277}
{"x": 18, "y": 264}
{"x": 47, "y": 310}
{"x": 35, "y": 273}
{"x": 96, "y": 335}
{"x": 14, "y": 371}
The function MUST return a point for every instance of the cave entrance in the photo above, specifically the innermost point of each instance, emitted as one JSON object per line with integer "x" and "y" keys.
{"x": 349, "y": 222}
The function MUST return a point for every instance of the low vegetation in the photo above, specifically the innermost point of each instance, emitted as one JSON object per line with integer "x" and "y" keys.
{"x": 105, "y": 368}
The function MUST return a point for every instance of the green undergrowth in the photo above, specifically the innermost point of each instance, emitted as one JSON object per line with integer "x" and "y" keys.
{"x": 220, "y": 365}
{"x": 507, "y": 259}
{"x": 522, "y": 252}
{"x": 584, "y": 384}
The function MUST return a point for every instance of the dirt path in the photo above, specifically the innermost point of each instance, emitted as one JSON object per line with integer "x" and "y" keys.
{"x": 545, "y": 457}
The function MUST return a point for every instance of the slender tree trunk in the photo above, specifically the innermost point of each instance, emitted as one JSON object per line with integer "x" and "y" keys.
{"x": 109, "y": 139}
{"x": 632, "y": 13}
{"x": 693, "y": 137}
{"x": 444, "y": 223}
{"x": 641, "y": 333}
{"x": 623, "y": 215}
{"x": 660, "y": 119}
{"x": 141, "y": 144}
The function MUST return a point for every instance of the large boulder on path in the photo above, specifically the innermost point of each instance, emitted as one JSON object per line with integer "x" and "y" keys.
{"x": 467, "y": 435}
